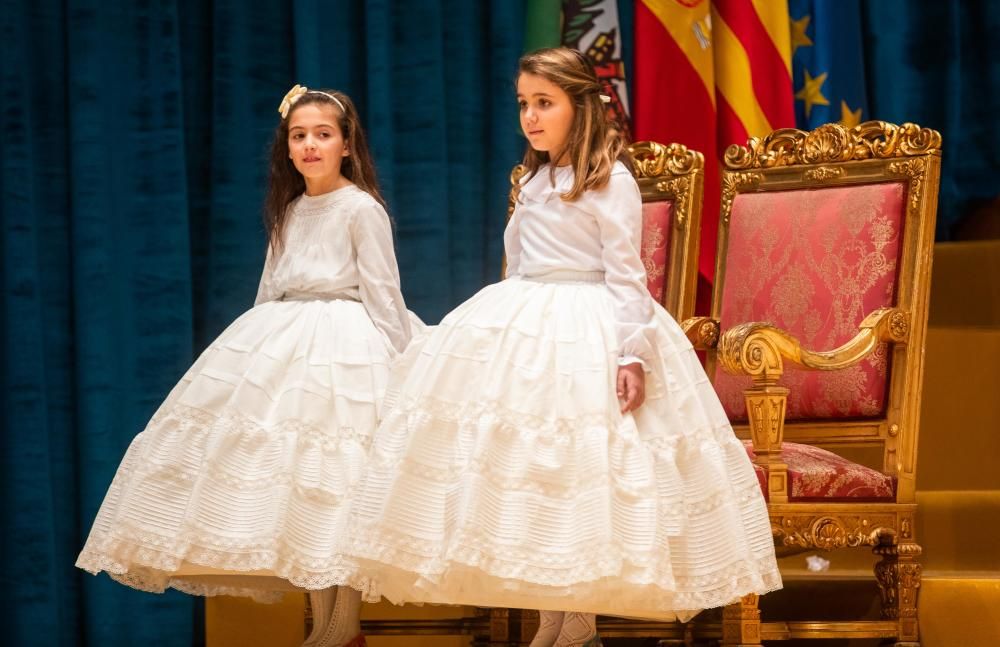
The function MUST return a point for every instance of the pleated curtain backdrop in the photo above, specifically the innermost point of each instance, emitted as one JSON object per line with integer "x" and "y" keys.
{"x": 134, "y": 148}
{"x": 936, "y": 64}
{"x": 133, "y": 151}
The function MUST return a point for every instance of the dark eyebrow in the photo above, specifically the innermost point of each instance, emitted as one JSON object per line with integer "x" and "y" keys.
{"x": 303, "y": 127}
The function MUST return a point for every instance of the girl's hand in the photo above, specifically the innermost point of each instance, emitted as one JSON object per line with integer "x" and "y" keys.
{"x": 631, "y": 386}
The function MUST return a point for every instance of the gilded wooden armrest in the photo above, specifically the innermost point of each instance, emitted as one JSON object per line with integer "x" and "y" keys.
{"x": 702, "y": 332}
{"x": 758, "y": 349}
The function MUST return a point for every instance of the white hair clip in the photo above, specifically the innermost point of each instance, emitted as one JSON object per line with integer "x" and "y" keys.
{"x": 605, "y": 98}
{"x": 296, "y": 93}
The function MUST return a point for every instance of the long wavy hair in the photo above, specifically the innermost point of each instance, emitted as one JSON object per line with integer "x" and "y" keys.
{"x": 594, "y": 143}
{"x": 285, "y": 183}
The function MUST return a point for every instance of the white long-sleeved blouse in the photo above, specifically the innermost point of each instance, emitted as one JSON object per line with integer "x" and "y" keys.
{"x": 339, "y": 245}
{"x": 599, "y": 231}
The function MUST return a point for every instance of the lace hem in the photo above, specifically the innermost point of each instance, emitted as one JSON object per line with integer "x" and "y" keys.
{"x": 155, "y": 569}
{"x": 572, "y": 564}
{"x": 627, "y": 592}
{"x": 147, "y": 526}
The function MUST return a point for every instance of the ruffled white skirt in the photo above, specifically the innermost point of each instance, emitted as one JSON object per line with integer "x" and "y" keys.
{"x": 504, "y": 474}
{"x": 240, "y": 481}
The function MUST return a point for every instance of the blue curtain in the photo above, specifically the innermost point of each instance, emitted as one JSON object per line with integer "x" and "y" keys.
{"x": 626, "y": 20}
{"x": 134, "y": 140}
{"x": 938, "y": 64}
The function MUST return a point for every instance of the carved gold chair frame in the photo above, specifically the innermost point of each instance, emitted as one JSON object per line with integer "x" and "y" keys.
{"x": 673, "y": 173}
{"x": 832, "y": 156}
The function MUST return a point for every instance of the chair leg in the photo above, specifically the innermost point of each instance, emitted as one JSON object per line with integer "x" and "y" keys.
{"x": 307, "y": 617}
{"x": 529, "y": 625}
{"x": 898, "y": 574}
{"x": 741, "y": 623}
{"x": 499, "y": 627}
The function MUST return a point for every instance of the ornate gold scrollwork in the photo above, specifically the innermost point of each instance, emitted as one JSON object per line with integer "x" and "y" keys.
{"x": 833, "y": 143}
{"x": 906, "y": 529}
{"x": 732, "y": 183}
{"x": 899, "y": 326}
{"x": 754, "y": 349}
{"x": 676, "y": 186}
{"x": 898, "y": 575}
{"x": 653, "y": 159}
{"x": 898, "y": 583}
{"x": 827, "y": 532}
{"x": 702, "y": 332}
{"x": 913, "y": 169}
{"x": 824, "y": 173}
{"x": 758, "y": 348}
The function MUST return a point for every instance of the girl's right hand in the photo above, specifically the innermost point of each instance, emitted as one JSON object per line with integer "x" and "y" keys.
{"x": 631, "y": 386}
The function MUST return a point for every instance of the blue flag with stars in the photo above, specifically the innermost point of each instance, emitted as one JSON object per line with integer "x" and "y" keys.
{"x": 827, "y": 62}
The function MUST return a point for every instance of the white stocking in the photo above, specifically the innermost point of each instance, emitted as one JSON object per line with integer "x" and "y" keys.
{"x": 322, "y": 603}
{"x": 345, "y": 621}
{"x": 578, "y": 629}
{"x": 549, "y": 624}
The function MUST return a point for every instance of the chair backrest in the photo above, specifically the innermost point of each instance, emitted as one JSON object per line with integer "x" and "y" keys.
{"x": 671, "y": 179}
{"x": 818, "y": 230}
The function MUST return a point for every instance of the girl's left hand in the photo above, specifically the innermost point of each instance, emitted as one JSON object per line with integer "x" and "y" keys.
{"x": 631, "y": 386}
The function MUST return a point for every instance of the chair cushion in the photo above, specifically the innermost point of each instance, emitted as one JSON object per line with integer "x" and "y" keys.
{"x": 816, "y": 474}
{"x": 814, "y": 262}
{"x": 657, "y": 221}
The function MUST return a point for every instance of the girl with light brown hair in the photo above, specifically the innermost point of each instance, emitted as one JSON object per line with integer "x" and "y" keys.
{"x": 554, "y": 443}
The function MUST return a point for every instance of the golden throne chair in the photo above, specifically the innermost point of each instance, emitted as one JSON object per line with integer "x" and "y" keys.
{"x": 815, "y": 343}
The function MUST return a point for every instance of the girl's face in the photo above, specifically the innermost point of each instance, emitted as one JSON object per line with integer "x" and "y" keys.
{"x": 315, "y": 144}
{"x": 546, "y": 115}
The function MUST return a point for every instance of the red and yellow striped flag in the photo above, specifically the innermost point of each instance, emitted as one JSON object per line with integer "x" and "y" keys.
{"x": 674, "y": 91}
{"x": 753, "y": 71}
{"x": 707, "y": 75}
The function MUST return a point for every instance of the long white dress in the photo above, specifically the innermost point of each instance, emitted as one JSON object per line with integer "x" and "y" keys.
{"x": 239, "y": 483}
{"x": 504, "y": 473}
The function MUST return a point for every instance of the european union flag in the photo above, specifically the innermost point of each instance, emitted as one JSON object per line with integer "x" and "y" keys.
{"x": 827, "y": 62}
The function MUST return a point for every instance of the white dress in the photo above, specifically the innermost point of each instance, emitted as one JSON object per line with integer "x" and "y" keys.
{"x": 239, "y": 483}
{"x": 504, "y": 474}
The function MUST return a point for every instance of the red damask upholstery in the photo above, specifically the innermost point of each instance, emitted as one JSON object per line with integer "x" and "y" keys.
{"x": 657, "y": 220}
{"x": 815, "y": 263}
{"x": 815, "y": 474}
